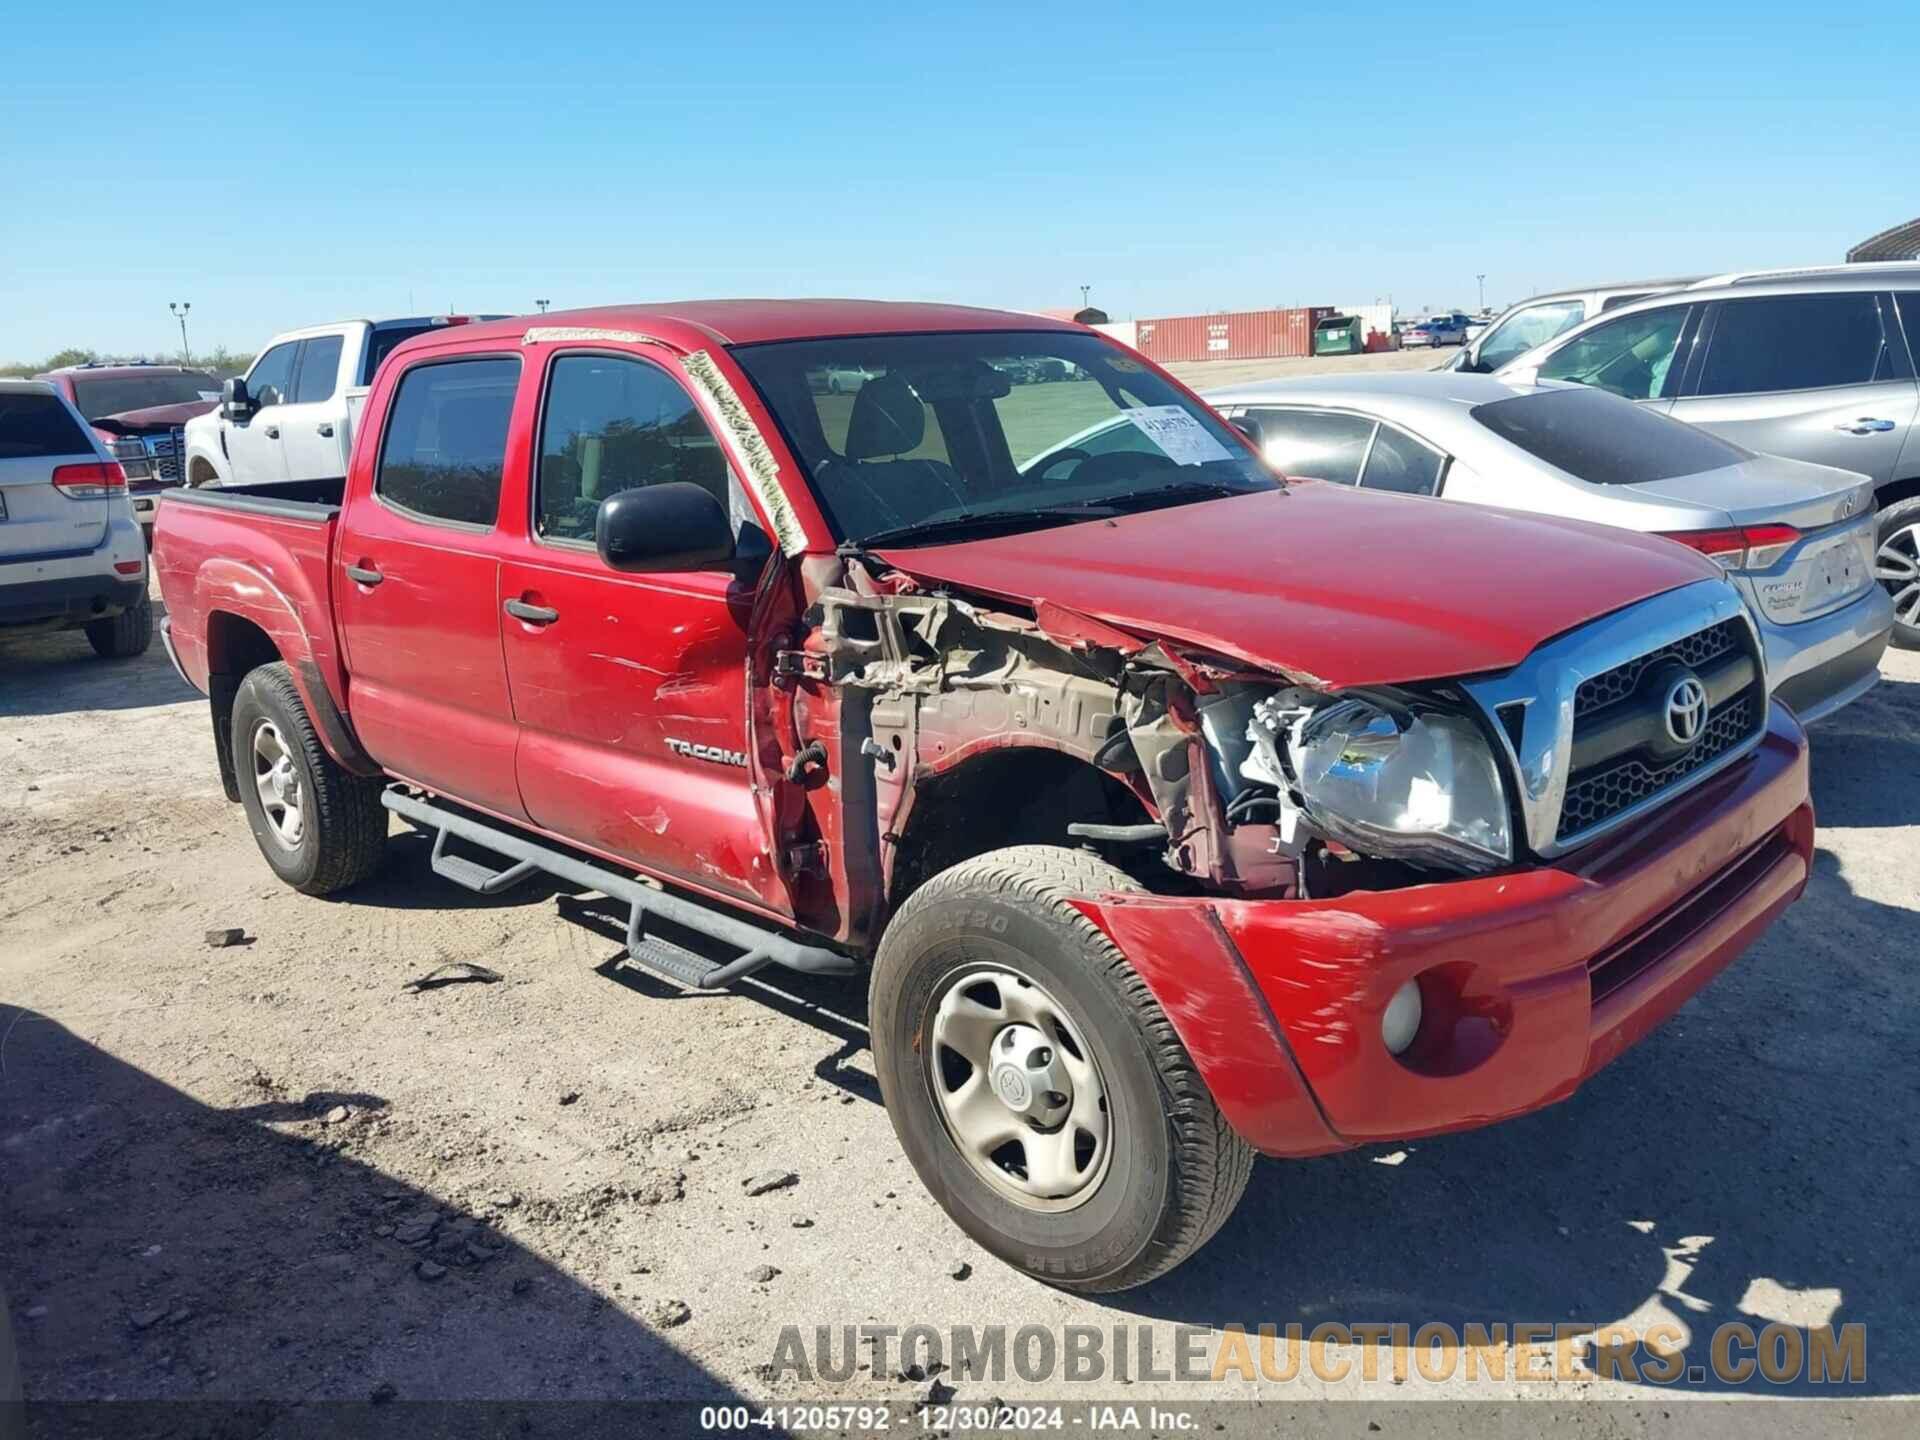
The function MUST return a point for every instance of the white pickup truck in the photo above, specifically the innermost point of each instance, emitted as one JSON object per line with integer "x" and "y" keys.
{"x": 291, "y": 418}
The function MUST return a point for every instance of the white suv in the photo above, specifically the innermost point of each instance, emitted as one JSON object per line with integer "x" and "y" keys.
{"x": 71, "y": 552}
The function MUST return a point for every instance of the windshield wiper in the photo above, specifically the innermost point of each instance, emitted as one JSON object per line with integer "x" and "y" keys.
{"x": 1184, "y": 490}
{"x": 987, "y": 520}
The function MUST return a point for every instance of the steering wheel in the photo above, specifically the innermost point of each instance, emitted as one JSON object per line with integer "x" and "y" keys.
{"x": 1072, "y": 452}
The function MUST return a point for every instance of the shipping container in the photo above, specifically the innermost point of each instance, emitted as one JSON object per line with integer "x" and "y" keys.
{"x": 1231, "y": 335}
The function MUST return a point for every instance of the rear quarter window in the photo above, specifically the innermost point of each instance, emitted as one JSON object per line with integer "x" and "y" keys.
{"x": 35, "y": 424}
{"x": 1605, "y": 440}
{"x": 445, "y": 446}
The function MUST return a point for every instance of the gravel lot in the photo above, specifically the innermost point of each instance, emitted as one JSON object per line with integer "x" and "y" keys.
{"x": 212, "y": 1160}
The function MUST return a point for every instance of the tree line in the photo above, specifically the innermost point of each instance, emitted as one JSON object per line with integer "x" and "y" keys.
{"x": 219, "y": 362}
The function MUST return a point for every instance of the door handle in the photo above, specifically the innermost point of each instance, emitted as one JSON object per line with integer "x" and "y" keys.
{"x": 325, "y": 427}
{"x": 1865, "y": 425}
{"x": 362, "y": 575}
{"x": 532, "y": 614}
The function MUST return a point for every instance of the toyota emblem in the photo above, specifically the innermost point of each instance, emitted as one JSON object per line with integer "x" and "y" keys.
{"x": 1686, "y": 710}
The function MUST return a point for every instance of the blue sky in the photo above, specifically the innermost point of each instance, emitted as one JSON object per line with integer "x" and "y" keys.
{"x": 285, "y": 169}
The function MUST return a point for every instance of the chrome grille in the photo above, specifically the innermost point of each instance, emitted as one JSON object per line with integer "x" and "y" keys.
{"x": 1700, "y": 648}
{"x": 1603, "y": 794}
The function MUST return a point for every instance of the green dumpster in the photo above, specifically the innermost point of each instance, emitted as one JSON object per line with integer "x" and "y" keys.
{"x": 1340, "y": 335}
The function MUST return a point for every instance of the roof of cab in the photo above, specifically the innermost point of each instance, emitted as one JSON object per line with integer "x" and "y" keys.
{"x": 696, "y": 324}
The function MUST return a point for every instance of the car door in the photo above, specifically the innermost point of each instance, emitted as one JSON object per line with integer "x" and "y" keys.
{"x": 416, "y": 584}
{"x": 310, "y": 420}
{"x": 1639, "y": 355}
{"x": 253, "y": 441}
{"x": 631, "y": 689}
{"x": 1812, "y": 377}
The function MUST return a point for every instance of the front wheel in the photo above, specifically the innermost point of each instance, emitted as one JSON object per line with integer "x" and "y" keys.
{"x": 1037, "y": 1087}
{"x": 320, "y": 827}
{"x": 1896, "y": 565}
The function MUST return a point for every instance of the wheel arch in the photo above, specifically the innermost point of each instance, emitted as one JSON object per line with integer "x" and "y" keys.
{"x": 948, "y": 823}
{"x": 1894, "y": 491}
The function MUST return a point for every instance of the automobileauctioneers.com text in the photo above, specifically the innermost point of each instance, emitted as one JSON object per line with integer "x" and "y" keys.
{"x": 1734, "y": 1353}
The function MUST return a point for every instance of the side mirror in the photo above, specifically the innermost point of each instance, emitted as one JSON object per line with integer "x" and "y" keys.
{"x": 235, "y": 403}
{"x": 677, "y": 526}
{"x": 1250, "y": 427}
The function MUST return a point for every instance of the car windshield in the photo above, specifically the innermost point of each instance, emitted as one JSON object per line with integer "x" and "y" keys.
{"x": 95, "y": 398}
{"x": 1605, "y": 440}
{"x": 919, "y": 437}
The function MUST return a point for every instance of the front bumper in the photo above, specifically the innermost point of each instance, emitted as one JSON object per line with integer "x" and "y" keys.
{"x": 1531, "y": 981}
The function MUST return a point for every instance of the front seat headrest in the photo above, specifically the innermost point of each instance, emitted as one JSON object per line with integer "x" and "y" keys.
{"x": 888, "y": 419}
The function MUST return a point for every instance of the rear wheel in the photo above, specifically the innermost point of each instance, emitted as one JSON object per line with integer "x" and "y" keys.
{"x": 319, "y": 827}
{"x": 122, "y": 636}
{"x": 1896, "y": 565}
{"x": 1037, "y": 1087}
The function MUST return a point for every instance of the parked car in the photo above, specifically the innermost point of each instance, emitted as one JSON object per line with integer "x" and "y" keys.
{"x": 1539, "y": 318}
{"x": 1796, "y": 539}
{"x": 1175, "y": 812}
{"x": 139, "y": 411}
{"x": 1816, "y": 364}
{"x": 291, "y": 416}
{"x": 71, "y": 552}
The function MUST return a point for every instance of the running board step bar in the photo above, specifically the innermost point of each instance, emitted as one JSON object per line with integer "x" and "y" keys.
{"x": 757, "y": 945}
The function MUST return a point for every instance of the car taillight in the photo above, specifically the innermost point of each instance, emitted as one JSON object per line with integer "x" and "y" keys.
{"x": 1743, "y": 547}
{"x": 92, "y": 481}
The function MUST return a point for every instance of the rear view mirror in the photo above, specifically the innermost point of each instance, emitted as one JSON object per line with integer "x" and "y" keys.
{"x": 235, "y": 403}
{"x": 676, "y": 526}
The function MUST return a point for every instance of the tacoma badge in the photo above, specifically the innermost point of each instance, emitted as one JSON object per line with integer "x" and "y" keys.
{"x": 714, "y": 753}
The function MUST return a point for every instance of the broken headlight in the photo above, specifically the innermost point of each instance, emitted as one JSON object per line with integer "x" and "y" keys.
{"x": 1414, "y": 784}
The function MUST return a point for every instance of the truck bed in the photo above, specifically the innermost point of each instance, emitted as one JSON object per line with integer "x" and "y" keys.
{"x": 242, "y": 558}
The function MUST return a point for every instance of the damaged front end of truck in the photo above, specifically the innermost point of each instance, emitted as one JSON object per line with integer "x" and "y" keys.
{"x": 945, "y": 725}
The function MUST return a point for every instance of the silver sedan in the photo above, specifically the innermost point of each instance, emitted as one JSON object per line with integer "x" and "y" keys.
{"x": 1797, "y": 539}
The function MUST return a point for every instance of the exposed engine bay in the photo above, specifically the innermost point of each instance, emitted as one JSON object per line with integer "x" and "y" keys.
{"x": 1211, "y": 778}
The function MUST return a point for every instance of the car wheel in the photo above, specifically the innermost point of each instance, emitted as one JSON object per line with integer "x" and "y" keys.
{"x": 319, "y": 827}
{"x": 1896, "y": 565}
{"x": 122, "y": 636}
{"x": 1035, "y": 1084}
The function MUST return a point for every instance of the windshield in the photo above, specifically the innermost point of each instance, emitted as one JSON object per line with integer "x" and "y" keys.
{"x": 915, "y": 436}
{"x": 95, "y": 398}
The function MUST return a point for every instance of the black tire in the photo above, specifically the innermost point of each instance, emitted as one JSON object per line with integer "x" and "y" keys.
{"x": 344, "y": 835}
{"x": 1175, "y": 1169}
{"x": 123, "y": 636}
{"x": 1903, "y": 515}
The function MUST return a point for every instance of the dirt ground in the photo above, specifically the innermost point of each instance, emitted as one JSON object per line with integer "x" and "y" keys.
{"x": 268, "y": 1171}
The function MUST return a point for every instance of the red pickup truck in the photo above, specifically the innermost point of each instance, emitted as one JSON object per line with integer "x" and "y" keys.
{"x": 1176, "y": 811}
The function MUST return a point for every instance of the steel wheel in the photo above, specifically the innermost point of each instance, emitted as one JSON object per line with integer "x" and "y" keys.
{"x": 1021, "y": 1093}
{"x": 1897, "y": 567}
{"x": 277, "y": 782}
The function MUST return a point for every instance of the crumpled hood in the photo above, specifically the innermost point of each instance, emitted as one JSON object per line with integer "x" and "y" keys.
{"x": 152, "y": 417}
{"x": 1331, "y": 585}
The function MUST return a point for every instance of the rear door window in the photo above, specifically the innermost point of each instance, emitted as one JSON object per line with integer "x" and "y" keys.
{"x": 34, "y": 424}
{"x": 1401, "y": 463}
{"x": 445, "y": 445}
{"x": 1599, "y": 439}
{"x": 319, "y": 368}
{"x": 1631, "y": 357}
{"x": 1795, "y": 342}
{"x": 1321, "y": 444}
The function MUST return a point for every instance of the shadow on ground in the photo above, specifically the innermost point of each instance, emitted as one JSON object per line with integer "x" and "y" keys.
{"x": 160, "y": 1248}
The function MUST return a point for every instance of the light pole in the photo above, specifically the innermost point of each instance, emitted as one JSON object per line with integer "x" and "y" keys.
{"x": 179, "y": 311}
{"x": 543, "y": 305}
{"x": 1085, "y": 290}
{"x": 1483, "y": 292}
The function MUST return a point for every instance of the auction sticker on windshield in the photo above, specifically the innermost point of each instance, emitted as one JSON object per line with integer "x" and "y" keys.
{"x": 1184, "y": 439}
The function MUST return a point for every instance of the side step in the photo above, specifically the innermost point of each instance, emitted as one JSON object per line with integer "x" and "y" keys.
{"x": 758, "y": 946}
